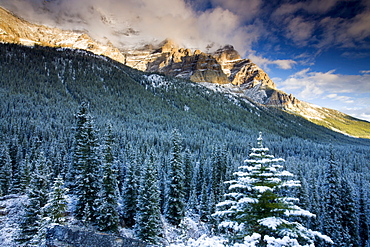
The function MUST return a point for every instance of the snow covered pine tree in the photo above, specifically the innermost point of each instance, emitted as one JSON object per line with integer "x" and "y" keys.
{"x": 256, "y": 213}
{"x": 84, "y": 173}
{"x": 148, "y": 225}
{"x": 108, "y": 219}
{"x": 175, "y": 207}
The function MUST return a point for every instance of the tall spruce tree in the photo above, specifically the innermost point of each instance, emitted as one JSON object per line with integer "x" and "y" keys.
{"x": 130, "y": 189}
{"x": 175, "y": 204}
{"x": 16, "y": 158}
{"x": 256, "y": 212}
{"x": 363, "y": 217}
{"x": 148, "y": 225}
{"x": 85, "y": 174}
{"x": 349, "y": 215}
{"x": 37, "y": 199}
{"x": 5, "y": 170}
{"x": 304, "y": 200}
{"x": 57, "y": 205}
{"x": 192, "y": 203}
{"x": 219, "y": 168}
{"x": 332, "y": 211}
{"x": 188, "y": 173}
{"x": 108, "y": 219}
{"x": 54, "y": 212}
{"x": 25, "y": 170}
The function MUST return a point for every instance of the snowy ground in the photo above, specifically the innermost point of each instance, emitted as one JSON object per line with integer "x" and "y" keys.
{"x": 191, "y": 232}
{"x": 11, "y": 207}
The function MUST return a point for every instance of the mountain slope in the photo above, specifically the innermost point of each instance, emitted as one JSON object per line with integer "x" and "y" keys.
{"x": 239, "y": 77}
{"x": 58, "y": 80}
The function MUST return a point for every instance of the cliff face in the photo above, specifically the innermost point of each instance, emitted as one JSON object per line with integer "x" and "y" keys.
{"x": 224, "y": 66}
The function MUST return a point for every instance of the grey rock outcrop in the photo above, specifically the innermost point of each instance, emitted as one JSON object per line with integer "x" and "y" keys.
{"x": 63, "y": 236}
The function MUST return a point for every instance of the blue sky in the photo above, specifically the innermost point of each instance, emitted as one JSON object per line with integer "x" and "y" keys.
{"x": 317, "y": 50}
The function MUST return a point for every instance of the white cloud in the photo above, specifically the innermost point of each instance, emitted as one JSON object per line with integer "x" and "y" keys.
{"x": 300, "y": 30}
{"x": 311, "y": 85}
{"x": 312, "y": 7}
{"x": 345, "y": 99}
{"x": 247, "y": 10}
{"x": 347, "y": 93}
{"x": 153, "y": 20}
{"x": 264, "y": 62}
{"x": 361, "y": 111}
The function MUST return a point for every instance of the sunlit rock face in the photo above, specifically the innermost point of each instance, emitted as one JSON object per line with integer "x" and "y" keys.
{"x": 18, "y": 31}
{"x": 222, "y": 67}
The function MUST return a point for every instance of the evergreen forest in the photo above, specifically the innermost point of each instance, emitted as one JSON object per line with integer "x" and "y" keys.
{"x": 94, "y": 143}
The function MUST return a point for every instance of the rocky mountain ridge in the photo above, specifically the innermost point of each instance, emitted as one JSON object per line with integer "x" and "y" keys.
{"x": 224, "y": 67}
{"x": 16, "y": 30}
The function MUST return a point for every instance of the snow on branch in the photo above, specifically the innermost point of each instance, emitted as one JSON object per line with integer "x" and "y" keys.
{"x": 272, "y": 222}
{"x": 291, "y": 183}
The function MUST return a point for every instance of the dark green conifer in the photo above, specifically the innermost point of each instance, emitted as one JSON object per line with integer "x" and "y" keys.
{"x": 130, "y": 189}
{"x": 85, "y": 173}
{"x": 5, "y": 171}
{"x": 37, "y": 199}
{"x": 108, "y": 219}
{"x": 148, "y": 225}
{"x": 175, "y": 204}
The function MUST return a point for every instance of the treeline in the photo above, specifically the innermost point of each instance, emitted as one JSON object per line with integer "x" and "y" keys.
{"x": 41, "y": 90}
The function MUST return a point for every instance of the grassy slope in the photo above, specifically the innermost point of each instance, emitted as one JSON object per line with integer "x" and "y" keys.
{"x": 345, "y": 124}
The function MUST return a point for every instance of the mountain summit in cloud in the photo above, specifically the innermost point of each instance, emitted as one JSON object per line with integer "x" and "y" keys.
{"x": 132, "y": 23}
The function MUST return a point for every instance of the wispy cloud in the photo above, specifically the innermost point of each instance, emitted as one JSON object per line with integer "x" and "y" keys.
{"x": 313, "y": 23}
{"x": 311, "y": 85}
{"x": 360, "y": 109}
{"x": 265, "y": 62}
{"x": 345, "y": 99}
{"x": 300, "y": 30}
{"x": 346, "y": 93}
